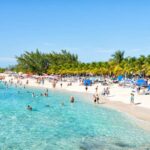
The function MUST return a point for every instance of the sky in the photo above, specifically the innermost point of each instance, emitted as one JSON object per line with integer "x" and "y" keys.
{"x": 93, "y": 29}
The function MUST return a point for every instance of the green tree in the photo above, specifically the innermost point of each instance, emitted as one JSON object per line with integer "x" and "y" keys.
{"x": 118, "y": 56}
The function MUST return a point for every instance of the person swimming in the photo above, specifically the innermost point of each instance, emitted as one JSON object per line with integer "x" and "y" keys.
{"x": 29, "y": 107}
{"x": 62, "y": 104}
{"x": 33, "y": 95}
{"x": 72, "y": 99}
{"x": 46, "y": 94}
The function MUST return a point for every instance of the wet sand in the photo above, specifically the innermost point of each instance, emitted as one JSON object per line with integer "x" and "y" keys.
{"x": 141, "y": 115}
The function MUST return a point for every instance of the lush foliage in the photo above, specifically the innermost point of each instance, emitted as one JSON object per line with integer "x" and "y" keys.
{"x": 37, "y": 62}
{"x": 2, "y": 70}
{"x": 67, "y": 63}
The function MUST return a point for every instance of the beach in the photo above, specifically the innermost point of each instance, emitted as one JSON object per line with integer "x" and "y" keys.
{"x": 119, "y": 98}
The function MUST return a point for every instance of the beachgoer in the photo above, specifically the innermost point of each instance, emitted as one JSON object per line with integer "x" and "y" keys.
{"x": 33, "y": 95}
{"x": 61, "y": 85}
{"x": 72, "y": 99}
{"x": 132, "y": 98}
{"x": 29, "y": 107}
{"x": 42, "y": 81}
{"x": 27, "y": 82}
{"x": 86, "y": 88}
{"x": 104, "y": 92}
{"x": 138, "y": 89}
{"x": 96, "y": 88}
{"x": 54, "y": 84}
{"x": 46, "y": 94}
{"x": 143, "y": 91}
{"x": 94, "y": 98}
{"x": 107, "y": 92}
{"x": 97, "y": 98}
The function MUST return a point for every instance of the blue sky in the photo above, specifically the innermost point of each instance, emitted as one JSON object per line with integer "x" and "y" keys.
{"x": 93, "y": 29}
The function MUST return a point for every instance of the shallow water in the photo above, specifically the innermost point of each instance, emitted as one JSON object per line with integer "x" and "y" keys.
{"x": 53, "y": 126}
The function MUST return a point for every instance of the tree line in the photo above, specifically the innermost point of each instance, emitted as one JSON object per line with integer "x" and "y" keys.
{"x": 2, "y": 70}
{"x": 66, "y": 63}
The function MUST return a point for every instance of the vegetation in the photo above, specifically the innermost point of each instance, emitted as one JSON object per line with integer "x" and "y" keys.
{"x": 67, "y": 63}
{"x": 2, "y": 70}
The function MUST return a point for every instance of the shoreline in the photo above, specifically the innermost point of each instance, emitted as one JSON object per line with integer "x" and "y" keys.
{"x": 137, "y": 112}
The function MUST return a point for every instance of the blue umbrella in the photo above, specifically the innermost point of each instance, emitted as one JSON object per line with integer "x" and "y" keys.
{"x": 141, "y": 82}
{"x": 87, "y": 82}
{"x": 120, "y": 77}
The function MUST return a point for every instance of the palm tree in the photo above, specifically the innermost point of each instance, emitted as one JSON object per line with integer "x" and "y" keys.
{"x": 118, "y": 56}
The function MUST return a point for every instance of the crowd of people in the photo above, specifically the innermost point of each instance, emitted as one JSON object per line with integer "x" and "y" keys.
{"x": 19, "y": 83}
{"x": 98, "y": 96}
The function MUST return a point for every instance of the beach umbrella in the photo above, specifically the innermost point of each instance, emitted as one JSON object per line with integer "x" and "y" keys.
{"x": 120, "y": 78}
{"x": 87, "y": 82}
{"x": 141, "y": 82}
{"x": 149, "y": 88}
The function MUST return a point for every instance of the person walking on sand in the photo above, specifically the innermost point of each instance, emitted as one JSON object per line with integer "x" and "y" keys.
{"x": 61, "y": 85}
{"x": 96, "y": 89}
{"x": 104, "y": 92}
{"x": 107, "y": 92}
{"x": 86, "y": 88}
{"x": 132, "y": 98}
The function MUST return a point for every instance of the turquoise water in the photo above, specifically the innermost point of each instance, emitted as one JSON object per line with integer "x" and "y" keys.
{"x": 78, "y": 126}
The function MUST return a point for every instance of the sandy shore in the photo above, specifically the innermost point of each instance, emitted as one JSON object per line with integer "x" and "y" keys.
{"x": 140, "y": 114}
{"x": 118, "y": 99}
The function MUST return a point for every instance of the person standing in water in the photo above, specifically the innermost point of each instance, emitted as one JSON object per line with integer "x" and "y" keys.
{"x": 29, "y": 107}
{"x": 97, "y": 98}
{"x": 72, "y": 99}
{"x": 33, "y": 94}
{"x": 94, "y": 98}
